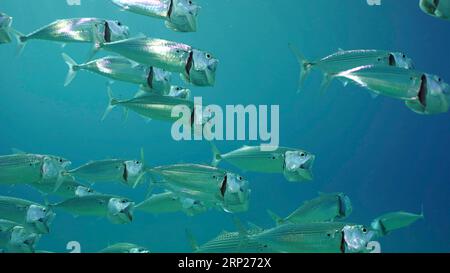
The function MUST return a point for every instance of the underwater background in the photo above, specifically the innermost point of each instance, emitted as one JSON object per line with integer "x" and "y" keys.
{"x": 377, "y": 151}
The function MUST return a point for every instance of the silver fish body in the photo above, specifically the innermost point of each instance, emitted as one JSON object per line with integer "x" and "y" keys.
{"x": 153, "y": 106}
{"x": 15, "y": 238}
{"x": 389, "y": 222}
{"x": 33, "y": 216}
{"x": 233, "y": 242}
{"x": 393, "y": 82}
{"x": 68, "y": 189}
{"x": 31, "y": 168}
{"x": 295, "y": 164}
{"x": 5, "y": 28}
{"x": 118, "y": 210}
{"x": 325, "y": 208}
{"x": 125, "y": 248}
{"x": 180, "y": 15}
{"x": 436, "y": 8}
{"x": 316, "y": 238}
{"x": 169, "y": 202}
{"x": 213, "y": 186}
{"x": 129, "y": 172}
{"x": 195, "y": 66}
{"x": 79, "y": 30}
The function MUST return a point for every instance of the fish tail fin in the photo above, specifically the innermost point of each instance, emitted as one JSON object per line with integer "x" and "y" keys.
{"x": 422, "y": 213}
{"x": 111, "y": 105}
{"x": 217, "y": 157}
{"x": 21, "y": 40}
{"x": 327, "y": 78}
{"x": 305, "y": 66}
{"x": 277, "y": 219}
{"x": 192, "y": 241}
{"x": 73, "y": 67}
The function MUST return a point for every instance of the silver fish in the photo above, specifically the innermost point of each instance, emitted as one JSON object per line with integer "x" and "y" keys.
{"x": 33, "y": 216}
{"x": 22, "y": 168}
{"x": 230, "y": 242}
{"x": 213, "y": 186}
{"x": 393, "y": 82}
{"x": 151, "y": 106}
{"x": 124, "y": 248}
{"x": 434, "y": 96}
{"x": 344, "y": 60}
{"x": 389, "y": 222}
{"x": 118, "y": 210}
{"x": 129, "y": 172}
{"x": 180, "y": 15}
{"x": 169, "y": 202}
{"x": 325, "y": 208}
{"x": 79, "y": 30}
{"x": 316, "y": 238}
{"x": 122, "y": 69}
{"x": 436, "y": 8}
{"x": 295, "y": 164}
{"x": 68, "y": 189}
{"x": 5, "y": 28}
{"x": 195, "y": 66}
{"x": 15, "y": 238}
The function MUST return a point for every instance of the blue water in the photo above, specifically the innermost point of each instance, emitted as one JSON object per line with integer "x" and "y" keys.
{"x": 385, "y": 157}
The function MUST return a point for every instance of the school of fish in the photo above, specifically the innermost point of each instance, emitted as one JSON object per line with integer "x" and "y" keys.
{"x": 319, "y": 225}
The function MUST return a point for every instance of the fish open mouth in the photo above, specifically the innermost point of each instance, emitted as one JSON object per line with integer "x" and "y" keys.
{"x": 422, "y": 95}
{"x": 169, "y": 12}
{"x": 189, "y": 63}
{"x": 125, "y": 173}
{"x": 223, "y": 188}
{"x": 392, "y": 61}
{"x": 107, "y": 34}
{"x": 150, "y": 77}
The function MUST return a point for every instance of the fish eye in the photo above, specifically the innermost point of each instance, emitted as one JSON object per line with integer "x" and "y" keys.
{"x": 137, "y": 162}
{"x": 364, "y": 230}
{"x": 302, "y": 154}
{"x": 60, "y": 160}
{"x": 119, "y": 23}
{"x": 273, "y": 157}
{"x": 208, "y": 56}
{"x": 439, "y": 80}
{"x": 178, "y": 88}
{"x": 214, "y": 177}
{"x": 240, "y": 178}
{"x": 404, "y": 56}
{"x": 190, "y": 2}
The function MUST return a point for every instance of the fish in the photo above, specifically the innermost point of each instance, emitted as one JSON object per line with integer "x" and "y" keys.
{"x": 128, "y": 172}
{"x": 179, "y": 15}
{"x": 294, "y": 164}
{"x": 389, "y": 222}
{"x": 229, "y": 242}
{"x": 151, "y": 106}
{"x": 5, "y": 28}
{"x": 328, "y": 237}
{"x": 122, "y": 69}
{"x": 436, "y": 8}
{"x": 169, "y": 202}
{"x": 124, "y": 248}
{"x": 33, "y": 216}
{"x": 213, "y": 186}
{"x": 15, "y": 238}
{"x": 23, "y": 168}
{"x": 344, "y": 60}
{"x": 325, "y": 208}
{"x": 392, "y": 82}
{"x": 118, "y": 210}
{"x": 76, "y": 30}
{"x": 68, "y": 189}
{"x": 434, "y": 97}
{"x": 195, "y": 66}
{"x": 174, "y": 92}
